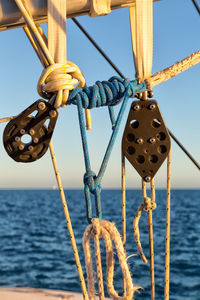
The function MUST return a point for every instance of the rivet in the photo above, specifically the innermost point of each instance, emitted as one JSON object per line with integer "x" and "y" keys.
{"x": 31, "y": 131}
{"x": 152, "y": 106}
{"x": 52, "y": 113}
{"x": 30, "y": 148}
{"x": 22, "y": 131}
{"x": 41, "y": 106}
{"x": 17, "y": 139}
{"x": 136, "y": 107}
{"x": 35, "y": 140}
{"x": 152, "y": 140}
{"x": 147, "y": 178}
{"x": 139, "y": 140}
{"x": 21, "y": 147}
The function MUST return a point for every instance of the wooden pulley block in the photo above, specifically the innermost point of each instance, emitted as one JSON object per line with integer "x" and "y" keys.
{"x": 146, "y": 141}
{"x": 26, "y": 138}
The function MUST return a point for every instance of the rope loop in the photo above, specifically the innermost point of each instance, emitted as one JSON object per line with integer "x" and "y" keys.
{"x": 106, "y": 93}
{"x": 110, "y": 234}
{"x": 59, "y": 79}
{"x": 147, "y": 205}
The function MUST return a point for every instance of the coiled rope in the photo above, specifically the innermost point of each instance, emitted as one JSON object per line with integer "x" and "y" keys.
{"x": 57, "y": 80}
{"x": 109, "y": 232}
{"x": 106, "y": 93}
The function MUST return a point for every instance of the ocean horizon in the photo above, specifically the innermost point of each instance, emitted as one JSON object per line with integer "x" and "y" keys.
{"x": 35, "y": 248}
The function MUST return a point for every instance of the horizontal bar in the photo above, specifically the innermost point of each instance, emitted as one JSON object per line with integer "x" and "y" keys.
{"x": 10, "y": 16}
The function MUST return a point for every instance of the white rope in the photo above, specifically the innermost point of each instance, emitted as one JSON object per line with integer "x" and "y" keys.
{"x": 109, "y": 232}
{"x": 61, "y": 90}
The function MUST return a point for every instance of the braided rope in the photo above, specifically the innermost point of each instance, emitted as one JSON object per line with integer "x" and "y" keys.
{"x": 167, "y": 235}
{"x": 59, "y": 77}
{"x": 147, "y": 205}
{"x": 60, "y": 90}
{"x": 104, "y": 93}
{"x": 109, "y": 232}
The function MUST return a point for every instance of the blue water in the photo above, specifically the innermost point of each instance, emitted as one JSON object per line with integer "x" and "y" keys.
{"x": 35, "y": 249}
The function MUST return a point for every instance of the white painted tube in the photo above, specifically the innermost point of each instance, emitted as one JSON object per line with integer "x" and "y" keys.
{"x": 10, "y": 16}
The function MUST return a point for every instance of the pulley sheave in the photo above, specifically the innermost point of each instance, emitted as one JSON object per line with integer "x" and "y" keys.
{"x": 26, "y": 138}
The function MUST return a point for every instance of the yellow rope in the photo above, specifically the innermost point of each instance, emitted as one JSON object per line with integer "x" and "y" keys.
{"x": 35, "y": 36}
{"x": 69, "y": 225}
{"x": 167, "y": 243}
{"x": 123, "y": 213}
{"x": 147, "y": 205}
{"x": 109, "y": 232}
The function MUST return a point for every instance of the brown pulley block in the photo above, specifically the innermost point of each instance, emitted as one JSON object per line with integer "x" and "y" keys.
{"x": 146, "y": 141}
{"x": 26, "y": 138}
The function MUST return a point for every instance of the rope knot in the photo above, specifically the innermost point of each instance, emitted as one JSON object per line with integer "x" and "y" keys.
{"x": 57, "y": 80}
{"x": 106, "y": 93}
{"x": 149, "y": 204}
{"x": 89, "y": 179}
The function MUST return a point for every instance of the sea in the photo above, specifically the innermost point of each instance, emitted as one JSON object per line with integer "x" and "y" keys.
{"x": 35, "y": 248}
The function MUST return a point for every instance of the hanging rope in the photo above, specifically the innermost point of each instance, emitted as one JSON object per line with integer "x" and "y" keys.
{"x": 55, "y": 83}
{"x": 147, "y": 205}
{"x": 167, "y": 235}
{"x": 123, "y": 189}
{"x": 69, "y": 224}
{"x": 92, "y": 181}
{"x": 109, "y": 232}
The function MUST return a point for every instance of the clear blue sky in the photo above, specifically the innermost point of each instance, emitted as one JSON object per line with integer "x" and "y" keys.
{"x": 176, "y": 35}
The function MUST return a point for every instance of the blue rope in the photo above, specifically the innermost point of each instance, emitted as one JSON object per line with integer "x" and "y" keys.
{"x": 102, "y": 93}
{"x": 112, "y": 115}
{"x": 106, "y": 93}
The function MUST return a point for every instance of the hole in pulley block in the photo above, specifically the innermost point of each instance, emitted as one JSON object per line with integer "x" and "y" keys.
{"x": 162, "y": 149}
{"x": 161, "y": 136}
{"x": 130, "y": 137}
{"x": 134, "y": 124}
{"x": 140, "y": 159}
{"x": 156, "y": 123}
{"x": 131, "y": 150}
{"x": 153, "y": 159}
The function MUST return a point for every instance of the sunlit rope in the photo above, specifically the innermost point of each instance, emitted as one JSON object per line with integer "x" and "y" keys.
{"x": 49, "y": 79}
{"x": 167, "y": 236}
{"x": 109, "y": 232}
{"x": 66, "y": 82}
{"x": 69, "y": 225}
{"x": 147, "y": 205}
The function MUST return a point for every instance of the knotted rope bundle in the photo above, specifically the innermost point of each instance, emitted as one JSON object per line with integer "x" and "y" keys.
{"x": 147, "y": 205}
{"x": 59, "y": 77}
{"x": 104, "y": 93}
{"x": 109, "y": 232}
